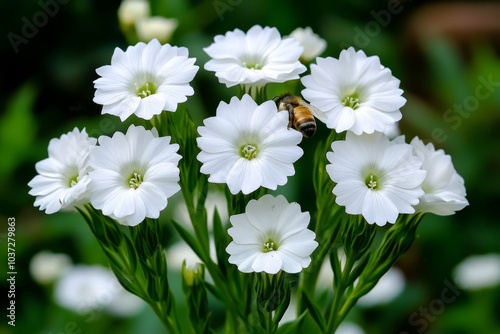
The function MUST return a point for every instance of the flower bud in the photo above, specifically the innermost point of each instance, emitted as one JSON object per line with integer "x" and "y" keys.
{"x": 156, "y": 27}
{"x": 131, "y": 11}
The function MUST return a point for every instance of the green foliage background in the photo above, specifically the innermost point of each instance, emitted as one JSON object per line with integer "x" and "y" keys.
{"x": 49, "y": 90}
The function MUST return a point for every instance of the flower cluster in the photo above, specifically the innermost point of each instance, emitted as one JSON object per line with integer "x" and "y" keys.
{"x": 362, "y": 177}
{"x": 128, "y": 176}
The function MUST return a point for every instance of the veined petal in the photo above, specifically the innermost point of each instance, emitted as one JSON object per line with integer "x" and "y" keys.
{"x": 264, "y": 242}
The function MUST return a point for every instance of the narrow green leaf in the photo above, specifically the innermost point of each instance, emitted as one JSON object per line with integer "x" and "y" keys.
{"x": 314, "y": 311}
{"x": 188, "y": 238}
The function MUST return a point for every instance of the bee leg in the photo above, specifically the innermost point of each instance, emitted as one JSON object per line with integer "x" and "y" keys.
{"x": 290, "y": 115}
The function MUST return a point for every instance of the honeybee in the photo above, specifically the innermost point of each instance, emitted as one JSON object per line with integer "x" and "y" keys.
{"x": 300, "y": 113}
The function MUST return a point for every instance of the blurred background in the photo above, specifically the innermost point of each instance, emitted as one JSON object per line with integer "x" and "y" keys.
{"x": 446, "y": 54}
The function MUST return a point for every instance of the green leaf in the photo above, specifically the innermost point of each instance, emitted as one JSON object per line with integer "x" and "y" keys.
{"x": 292, "y": 326}
{"x": 314, "y": 311}
{"x": 188, "y": 238}
{"x": 17, "y": 129}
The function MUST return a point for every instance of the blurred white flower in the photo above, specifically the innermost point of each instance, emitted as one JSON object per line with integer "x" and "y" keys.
{"x": 313, "y": 44}
{"x": 375, "y": 177}
{"x": 85, "y": 288}
{"x": 62, "y": 178}
{"x": 248, "y": 146}
{"x": 134, "y": 175}
{"x": 46, "y": 267}
{"x": 444, "y": 188}
{"x": 131, "y": 11}
{"x": 388, "y": 287}
{"x": 325, "y": 277}
{"x": 354, "y": 92}
{"x": 256, "y": 58}
{"x": 156, "y": 27}
{"x": 270, "y": 236}
{"x": 215, "y": 200}
{"x": 349, "y": 328}
{"x": 478, "y": 272}
{"x": 145, "y": 80}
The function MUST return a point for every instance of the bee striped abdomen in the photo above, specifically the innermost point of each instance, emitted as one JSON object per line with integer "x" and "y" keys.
{"x": 304, "y": 121}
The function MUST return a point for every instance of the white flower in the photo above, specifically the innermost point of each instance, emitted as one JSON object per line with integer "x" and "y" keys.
{"x": 46, "y": 267}
{"x": 349, "y": 328}
{"x": 478, "y": 272}
{"x": 375, "y": 177}
{"x": 62, "y": 178}
{"x": 130, "y": 11}
{"x": 387, "y": 288}
{"x": 156, "y": 27}
{"x": 256, "y": 58}
{"x": 145, "y": 80}
{"x": 270, "y": 236}
{"x": 92, "y": 288}
{"x": 313, "y": 44}
{"x": 354, "y": 92}
{"x": 248, "y": 145}
{"x": 134, "y": 175}
{"x": 444, "y": 188}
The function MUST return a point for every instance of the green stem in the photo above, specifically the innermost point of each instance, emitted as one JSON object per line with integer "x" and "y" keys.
{"x": 339, "y": 296}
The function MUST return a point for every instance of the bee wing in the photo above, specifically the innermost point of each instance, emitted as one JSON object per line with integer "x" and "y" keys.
{"x": 318, "y": 113}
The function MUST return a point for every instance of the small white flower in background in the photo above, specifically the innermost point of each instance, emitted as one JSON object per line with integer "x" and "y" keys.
{"x": 444, "y": 188}
{"x": 349, "y": 328}
{"x": 84, "y": 289}
{"x": 256, "y": 58}
{"x": 134, "y": 175}
{"x": 62, "y": 178}
{"x": 156, "y": 27}
{"x": 354, "y": 92}
{"x": 478, "y": 272}
{"x": 215, "y": 200}
{"x": 131, "y": 11}
{"x": 375, "y": 177}
{"x": 145, "y": 80}
{"x": 313, "y": 44}
{"x": 270, "y": 236}
{"x": 248, "y": 146}
{"x": 388, "y": 287}
{"x": 46, "y": 267}
{"x": 180, "y": 251}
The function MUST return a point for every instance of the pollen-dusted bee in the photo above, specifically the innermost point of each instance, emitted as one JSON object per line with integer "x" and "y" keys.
{"x": 300, "y": 113}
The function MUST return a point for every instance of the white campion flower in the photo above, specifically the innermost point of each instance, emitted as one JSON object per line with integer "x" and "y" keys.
{"x": 46, "y": 267}
{"x": 156, "y": 27}
{"x": 270, "y": 236}
{"x": 131, "y": 11}
{"x": 375, "y": 177}
{"x": 248, "y": 146}
{"x": 134, "y": 175}
{"x": 391, "y": 285}
{"x": 478, "y": 272}
{"x": 84, "y": 289}
{"x": 313, "y": 44}
{"x": 61, "y": 183}
{"x": 145, "y": 80}
{"x": 254, "y": 59}
{"x": 354, "y": 92}
{"x": 443, "y": 186}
